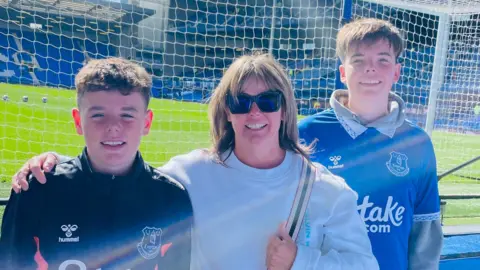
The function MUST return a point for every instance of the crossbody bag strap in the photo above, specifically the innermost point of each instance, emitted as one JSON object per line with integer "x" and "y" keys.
{"x": 302, "y": 197}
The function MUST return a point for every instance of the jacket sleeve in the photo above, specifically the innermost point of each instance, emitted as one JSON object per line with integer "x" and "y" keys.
{"x": 17, "y": 242}
{"x": 176, "y": 250}
{"x": 333, "y": 234}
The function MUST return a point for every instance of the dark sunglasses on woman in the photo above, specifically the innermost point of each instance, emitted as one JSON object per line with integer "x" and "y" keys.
{"x": 268, "y": 102}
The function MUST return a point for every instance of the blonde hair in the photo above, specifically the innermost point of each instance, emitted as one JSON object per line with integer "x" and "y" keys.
{"x": 265, "y": 68}
{"x": 368, "y": 31}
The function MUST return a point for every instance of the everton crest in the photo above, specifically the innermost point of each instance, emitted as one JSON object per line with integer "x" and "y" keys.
{"x": 398, "y": 164}
{"x": 151, "y": 243}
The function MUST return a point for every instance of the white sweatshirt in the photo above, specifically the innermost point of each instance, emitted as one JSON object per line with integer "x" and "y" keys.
{"x": 237, "y": 208}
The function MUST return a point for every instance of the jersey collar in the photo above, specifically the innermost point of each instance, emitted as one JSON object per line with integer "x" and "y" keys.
{"x": 354, "y": 126}
{"x": 85, "y": 165}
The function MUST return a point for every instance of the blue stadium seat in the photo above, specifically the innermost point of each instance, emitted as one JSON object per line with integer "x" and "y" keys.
{"x": 3, "y": 39}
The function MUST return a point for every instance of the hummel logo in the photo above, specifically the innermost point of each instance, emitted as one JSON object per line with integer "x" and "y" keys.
{"x": 69, "y": 229}
{"x": 335, "y": 160}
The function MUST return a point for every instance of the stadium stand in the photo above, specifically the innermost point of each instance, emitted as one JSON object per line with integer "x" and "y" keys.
{"x": 53, "y": 55}
{"x": 31, "y": 56}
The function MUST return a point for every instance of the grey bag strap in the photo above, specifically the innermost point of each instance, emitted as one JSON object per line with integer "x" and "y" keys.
{"x": 302, "y": 197}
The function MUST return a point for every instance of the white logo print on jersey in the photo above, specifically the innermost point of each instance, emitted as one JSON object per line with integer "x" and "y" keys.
{"x": 335, "y": 160}
{"x": 69, "y": 229}
{"x": 79, "y": 265}
{"x": 398, "y": 164}
{"x": 382, "y": 218}
{"x": 149, "y": 246}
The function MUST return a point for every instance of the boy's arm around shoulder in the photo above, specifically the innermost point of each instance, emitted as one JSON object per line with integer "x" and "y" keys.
{"x": 342, "y": 238}
{"x": 19, "y": 224}
{"x": 426, "y": 236}
{"x": 176, "y": 246}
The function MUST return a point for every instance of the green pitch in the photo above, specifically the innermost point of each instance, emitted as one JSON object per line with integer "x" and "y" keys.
{"x": 33, "y": 127}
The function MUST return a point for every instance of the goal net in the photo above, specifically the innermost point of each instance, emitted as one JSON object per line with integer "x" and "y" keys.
{"x": 188, "y": 44}
{"x": 440, "y": 81}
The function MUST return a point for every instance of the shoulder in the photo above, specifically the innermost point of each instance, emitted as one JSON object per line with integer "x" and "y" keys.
{"x": 411, "y": 127}
{"x": 193, "y": 159}
{"x": 326, "y": 183}
{"x": 162, "y": 194}
{"x": 415, "y": 135}
{"x": 319, "y": 127}
{"x": 326, "y": 179}
{"x": 330, "y": 189}
{"x": 66, "y": 170}
{"x": 322, "y": 118}
{"x": 161, "y": 178}
{"x": 172, "y": 190}
{"x": 182, "y": 167}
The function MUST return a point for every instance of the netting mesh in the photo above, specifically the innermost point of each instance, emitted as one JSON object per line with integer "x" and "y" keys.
{"x": 437, "y": 7}
{"x": 187, "y": 45}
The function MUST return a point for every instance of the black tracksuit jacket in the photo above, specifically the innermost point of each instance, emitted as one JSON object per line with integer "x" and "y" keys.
{"x": 81, "y": 219}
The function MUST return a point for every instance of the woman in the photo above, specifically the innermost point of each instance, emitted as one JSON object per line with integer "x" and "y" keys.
{"x": 242, "y": 189}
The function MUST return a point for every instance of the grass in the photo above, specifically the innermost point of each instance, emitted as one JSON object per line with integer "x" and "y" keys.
{"x": 462, "y": 208}
{"x": 453, "y": 149}
{"x": 33, "y": 127}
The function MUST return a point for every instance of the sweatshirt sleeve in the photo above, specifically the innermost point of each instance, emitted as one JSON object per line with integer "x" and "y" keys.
{"x": 426, "y": 236}
{"x": 333, "y": 235}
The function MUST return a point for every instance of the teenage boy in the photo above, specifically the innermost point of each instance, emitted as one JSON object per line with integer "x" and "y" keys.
{"x": 106, "y": 208}
{"x": 386, "y": 159}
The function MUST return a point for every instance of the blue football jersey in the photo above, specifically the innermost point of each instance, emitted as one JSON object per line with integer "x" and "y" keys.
{"x": 395, "y": 178}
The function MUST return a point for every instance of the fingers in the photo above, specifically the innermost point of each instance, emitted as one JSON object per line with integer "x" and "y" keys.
{"x": 42, "y": 163}
{"x": 283, "y": 233}
{"x": 281, "y": 258}
{"x": 19, "y": 180}
{"x": 36, "y": 166}
{"x": 269, "y": 252}
{"x": 281, "y": 250}
{"x": 50, "y": 161}
{"x": 277, "y": 263}
{"x": 272, "y": 248}
{"x": 15, "y": 185}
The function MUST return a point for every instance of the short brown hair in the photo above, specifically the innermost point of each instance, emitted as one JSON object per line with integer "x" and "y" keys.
{"x": 369, "y": 31}
{"x": 113, "y": 74}
{"x": 265, "y": 68}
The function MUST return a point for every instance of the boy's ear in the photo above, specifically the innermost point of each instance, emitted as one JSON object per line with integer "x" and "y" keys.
{"x": 77, "y": 120}
{"x": 398, "y": 68}
{"x": 148, "y": 122}
{"x": 343, "y": 75}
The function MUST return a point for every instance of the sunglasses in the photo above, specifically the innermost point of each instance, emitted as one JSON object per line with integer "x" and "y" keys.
{"x": 268, "y": 102}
